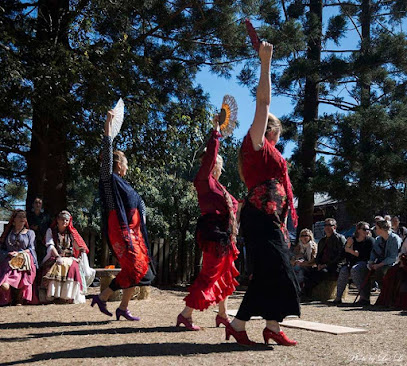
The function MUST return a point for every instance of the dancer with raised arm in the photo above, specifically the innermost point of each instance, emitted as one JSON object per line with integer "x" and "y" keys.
{"x": 273, "y": 290}
{"x": 216, "y": 235}
{"x": 124, "y": 219}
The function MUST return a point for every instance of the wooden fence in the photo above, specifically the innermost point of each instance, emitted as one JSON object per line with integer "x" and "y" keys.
{"x": 173, "y": 265}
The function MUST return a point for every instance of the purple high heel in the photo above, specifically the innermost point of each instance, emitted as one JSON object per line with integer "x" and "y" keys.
{"x": 101, "y": 304}
{"x": 126, "y": 314}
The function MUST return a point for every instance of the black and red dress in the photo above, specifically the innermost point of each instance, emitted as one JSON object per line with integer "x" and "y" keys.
{"x": 124, "y": 224}
{"x": 215, "y": 234}
{"x": 273, "y": 290}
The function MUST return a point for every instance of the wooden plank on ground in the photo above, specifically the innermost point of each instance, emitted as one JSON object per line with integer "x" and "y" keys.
{"x": 320, "y": 327}
{"x": 294, "y": 322}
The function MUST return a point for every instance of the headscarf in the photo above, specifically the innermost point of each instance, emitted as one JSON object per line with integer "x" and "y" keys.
{"x": 76, "y": 236}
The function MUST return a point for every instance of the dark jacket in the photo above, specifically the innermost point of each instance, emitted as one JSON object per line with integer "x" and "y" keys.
{"x": 335, "y": 246}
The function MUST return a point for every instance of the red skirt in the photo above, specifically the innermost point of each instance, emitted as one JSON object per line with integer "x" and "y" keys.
{"x": 216, "y": 281}
{"x": 133, "y": 261}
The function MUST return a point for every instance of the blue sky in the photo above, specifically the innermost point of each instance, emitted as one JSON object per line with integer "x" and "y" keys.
{"x": 217, "y": 87}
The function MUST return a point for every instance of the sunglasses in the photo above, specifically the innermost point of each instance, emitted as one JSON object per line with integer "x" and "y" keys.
{"x": 365, "y": 229}
{"x": 329, "y": 225}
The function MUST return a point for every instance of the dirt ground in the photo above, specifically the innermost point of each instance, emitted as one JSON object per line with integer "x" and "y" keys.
{"x": 79, "y": 334}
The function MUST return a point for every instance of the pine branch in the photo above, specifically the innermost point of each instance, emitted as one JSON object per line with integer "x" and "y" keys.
{"x": 284, "y": 9}
{"x": 340, "y": 4}
{"x": 326, "y": 152}
{"x": 353, "y": 22}
{"x": 340, "y": 51}
{"x": 10, "y": 150}
{"x": 326, "y": 145}
{"x": 345, "y": 106}
{"x": 193, "y": 62}
{"x": 168, "y": 19}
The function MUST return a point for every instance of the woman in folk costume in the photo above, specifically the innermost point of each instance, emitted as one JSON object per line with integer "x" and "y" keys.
{"x": 273, "y": 291}
{"x": 18, "y": 260}
{"x": 124, "y": 221}
{"x": 62, "y": 277}
{"x": 216, "y": 235}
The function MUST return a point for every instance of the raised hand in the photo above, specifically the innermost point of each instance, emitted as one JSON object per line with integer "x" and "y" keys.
{"x": 215, "y": 122}
{"x": 108, "y": 123}
{"x": 265, "y": 51}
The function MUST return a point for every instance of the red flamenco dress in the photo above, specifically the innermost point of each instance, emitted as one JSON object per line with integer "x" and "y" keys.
{"x": 215, "y": 234}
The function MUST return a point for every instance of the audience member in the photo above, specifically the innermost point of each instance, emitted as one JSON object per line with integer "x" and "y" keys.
{"x": 329, "y": 255}
{"x": 18, "y": 260}
{"x": 39, "y": 222}
{"x": 357, "y": 254}
{"x": 382, "y": 257}
{"x": 304, "y": 256}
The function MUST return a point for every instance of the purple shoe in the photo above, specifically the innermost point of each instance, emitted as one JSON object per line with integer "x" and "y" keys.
{"x": 126, "y": 314}
{"x": 101, "y": 304}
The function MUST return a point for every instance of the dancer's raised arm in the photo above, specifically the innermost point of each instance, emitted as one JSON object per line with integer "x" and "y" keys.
{"x": 263, "y": 97}
{"x": 107, "y": 150}
{"x": 209, "y": 158}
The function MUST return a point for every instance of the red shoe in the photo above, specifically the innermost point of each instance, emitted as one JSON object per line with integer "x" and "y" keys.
{"x": 241, "y": 337}
{"x": 279, "y": 338}
{"x": 219, "y": 320}
{"x": 188, "y": 324}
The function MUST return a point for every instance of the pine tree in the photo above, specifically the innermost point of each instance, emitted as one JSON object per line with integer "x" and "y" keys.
{"x": 64, "y": 63}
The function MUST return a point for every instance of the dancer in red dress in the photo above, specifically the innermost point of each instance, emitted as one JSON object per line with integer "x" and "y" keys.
{"x": 216, "y": 236}
{"x": 273, "y": 290}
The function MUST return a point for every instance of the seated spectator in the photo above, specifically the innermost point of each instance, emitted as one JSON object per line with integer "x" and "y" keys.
{"x": 61, "y": 272}
{"x": 18, "y": 260}
{"x": 382, "y": 257}
{"x": 373, "y": 228}
{"x": 398, "y": 229}
{"x": 329, "y": 255}
{"x": 304, "y": 256}
{"x": 394, "y": 289}
{"x": 39, "y": 222}
{"x": 357, "y": 254}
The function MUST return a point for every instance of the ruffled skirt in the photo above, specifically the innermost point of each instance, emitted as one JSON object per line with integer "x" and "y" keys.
{"x": 63, "y": 280}
{"x": 217, "y": 279}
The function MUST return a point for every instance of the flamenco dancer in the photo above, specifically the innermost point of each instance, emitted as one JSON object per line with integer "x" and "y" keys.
{"x": 216, "y": 235}
{"x": 273, "y": 291}
{"x": 124, "y": 218}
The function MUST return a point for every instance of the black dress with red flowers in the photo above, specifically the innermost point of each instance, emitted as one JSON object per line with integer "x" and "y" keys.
{"x": 273, "y": 290}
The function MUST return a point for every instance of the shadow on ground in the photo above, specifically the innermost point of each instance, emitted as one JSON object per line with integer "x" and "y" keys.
{"x": 140, "y": 350}
{"x": 50, "y": 324}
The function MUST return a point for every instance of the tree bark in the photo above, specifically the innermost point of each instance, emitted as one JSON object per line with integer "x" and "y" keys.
{"x": 307, "y": 157}
{"x": 366, "y": 140}
{"x": 47, "y": 162}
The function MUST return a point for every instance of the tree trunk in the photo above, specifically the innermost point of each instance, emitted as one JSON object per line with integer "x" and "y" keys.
{"x": 308, "y": 146}
{"x": 47, "y": 162}
{"x": 366, "y": 141}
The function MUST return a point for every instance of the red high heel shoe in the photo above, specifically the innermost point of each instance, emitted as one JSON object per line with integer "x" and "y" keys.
{"x": 219, "y": 320}
{"x": 241, "y": 337}
{"x": 189, "y": 325}
{"x": 279, "y": 338}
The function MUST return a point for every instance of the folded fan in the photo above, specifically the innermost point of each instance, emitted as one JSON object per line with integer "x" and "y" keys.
{"x": 253, "y": 35}
{"x": 118, "y": 117}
